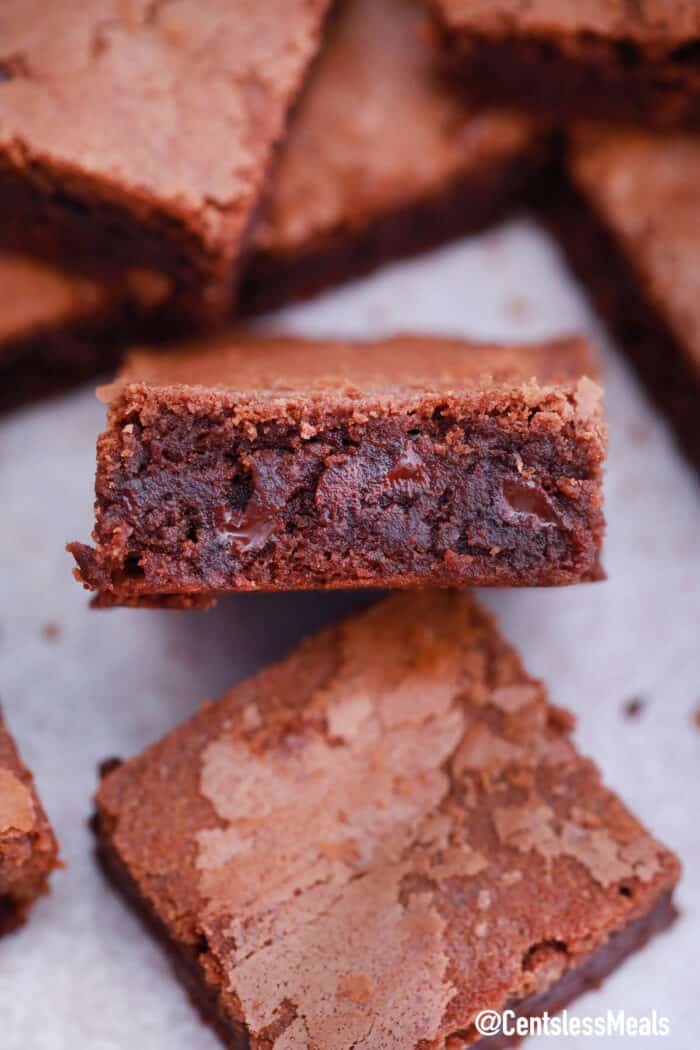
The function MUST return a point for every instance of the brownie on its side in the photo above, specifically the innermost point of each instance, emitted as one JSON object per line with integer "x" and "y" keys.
{"x": 28, "y": 850}
{"x": 374, "y": 840}
{"x": 259, "y": 463}
{"x": 382, "y": 159}
{"x": 602, "y": 59}
{"x": 629, "y": 220}
{"x": 141, "y": 134}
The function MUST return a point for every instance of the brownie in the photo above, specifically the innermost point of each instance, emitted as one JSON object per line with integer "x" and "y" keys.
{"x": 28, "y": 850}
{"x": 268, "y": 463}
{"x": 629, "y": 219}
{"x": 57, "y": 329}
{"x": 382, "y": 159}
{"x": 381, "y": 836}
{"x": 141, "y": 134}
{"x": 604, "y": 59}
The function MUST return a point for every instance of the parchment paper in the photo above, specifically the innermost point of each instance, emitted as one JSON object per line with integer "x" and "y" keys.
{"x": 79, "y": 685}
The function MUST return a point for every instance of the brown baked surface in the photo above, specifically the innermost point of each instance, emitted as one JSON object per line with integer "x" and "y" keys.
{"x": 378, "y": 838}
{"x": 268, "y": 463}
{"x": 382, "y": 158}
{"x": 28, "y": 850}
{"x": 197, "y": 96}
{"x": 605, "y": 59}
{"x": 628, "y": 214}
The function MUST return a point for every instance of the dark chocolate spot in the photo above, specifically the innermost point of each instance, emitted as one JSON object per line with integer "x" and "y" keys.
{"x": 526, "y": 498}
{"x": 241, "y": 491}
{"x": 132, "y": 567}
{"x": 687, "y": 54}
{"x": 71, "y": 204}
{"x": 627, "y": 52}
{"x": 108, "y": 765}
{"x": 13, "y": 66}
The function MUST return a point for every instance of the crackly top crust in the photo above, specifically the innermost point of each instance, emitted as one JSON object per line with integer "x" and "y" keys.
{"x": 27, "y": 846}
{"x": 646, "y": 189}
{"x": 252, "y": 371}
{"x": 382, "y": 835}
{"x": 196, "y": 94}
{"x": 376, "y": 128}
{"x": 655, "y": 24}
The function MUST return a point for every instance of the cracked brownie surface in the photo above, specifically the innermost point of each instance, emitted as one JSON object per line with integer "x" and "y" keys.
{"x": 377, "y": 838}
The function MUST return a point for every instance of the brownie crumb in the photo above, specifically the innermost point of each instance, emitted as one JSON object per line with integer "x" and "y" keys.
{"x": 634, "y": 707}
{"x": 51, "y": 631}
{"x": 696, "y": 717}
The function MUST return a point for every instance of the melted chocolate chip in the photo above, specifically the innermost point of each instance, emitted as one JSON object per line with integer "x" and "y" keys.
{"x": 250, "y": 528}
{"x": 409, "y": 467}
{"x": 525, "y": 498}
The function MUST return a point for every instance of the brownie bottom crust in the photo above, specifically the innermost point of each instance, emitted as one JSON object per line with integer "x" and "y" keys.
{"x": 205, "y": 995}
{"x": 466, "y": 205}
{"x": 672, "y": 383}
{"x": 604, "y": 80}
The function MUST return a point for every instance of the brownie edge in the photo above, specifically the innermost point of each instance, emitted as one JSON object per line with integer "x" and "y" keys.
{"x": 28, "y": 849}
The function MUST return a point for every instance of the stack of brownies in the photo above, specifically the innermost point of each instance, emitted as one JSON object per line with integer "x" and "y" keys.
{"x": 370, "y": 843}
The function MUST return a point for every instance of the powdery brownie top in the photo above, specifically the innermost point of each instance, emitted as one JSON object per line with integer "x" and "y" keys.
{"x": 655, "y": 25}
{"x": 380, "y": 836}
{"x": 172, "y": 107}
{"x": 376, "y": 128}
{"x": 646, "y": 189}
{"x": 267, "y": 375}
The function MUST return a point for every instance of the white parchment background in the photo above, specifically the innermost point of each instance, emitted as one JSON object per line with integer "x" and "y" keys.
{"x": 83, "y": 975}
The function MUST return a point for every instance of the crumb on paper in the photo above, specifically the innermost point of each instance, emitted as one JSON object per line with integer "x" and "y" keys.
{"x": 633, "y": 708}
{"x": 51, "y": 631}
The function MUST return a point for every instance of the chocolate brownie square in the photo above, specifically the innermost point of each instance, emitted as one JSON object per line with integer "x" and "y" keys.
{"x": 141, "y": 134}
{"x": 57, "y": 328}
{"x": 629, "y": 219}
{"x": 269, "y": 463}
{"x": 602, "y": 59}
{"x": 378, "y": 838}
{"x": 28, "y": 850}
{"x": 382, "y": 159}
